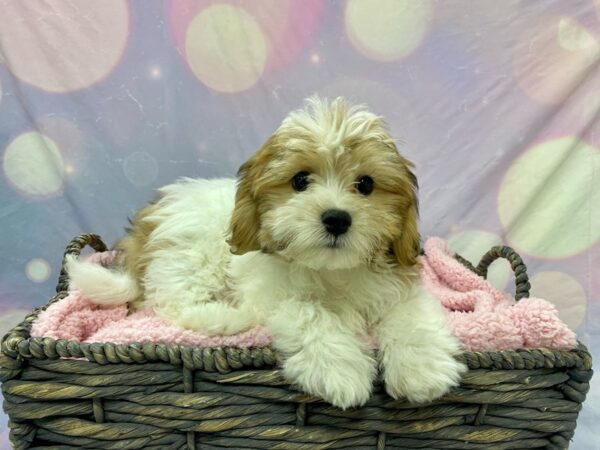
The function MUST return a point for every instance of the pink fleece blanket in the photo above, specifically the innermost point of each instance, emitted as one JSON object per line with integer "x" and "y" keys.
{"x": 482, "y": 317}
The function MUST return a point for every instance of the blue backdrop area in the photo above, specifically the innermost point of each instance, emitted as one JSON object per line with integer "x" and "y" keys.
{"x": 497, "y": 103}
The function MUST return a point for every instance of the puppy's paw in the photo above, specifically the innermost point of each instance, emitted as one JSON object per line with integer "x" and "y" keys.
{"x": 343, "y": 382}
{"x": 422, "y": 378}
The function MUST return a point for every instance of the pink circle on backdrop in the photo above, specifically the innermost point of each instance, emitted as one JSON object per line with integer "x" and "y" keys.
{"x": 62, "y": 45}
{"x": 288, "y": 25}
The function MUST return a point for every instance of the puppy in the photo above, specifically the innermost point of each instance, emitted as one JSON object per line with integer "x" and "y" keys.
{"x": 318, "y": 242}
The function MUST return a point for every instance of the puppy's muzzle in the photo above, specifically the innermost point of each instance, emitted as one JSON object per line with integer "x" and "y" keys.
{"x": 336, "y": 221}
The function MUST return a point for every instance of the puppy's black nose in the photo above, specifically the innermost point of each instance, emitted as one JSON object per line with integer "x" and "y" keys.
{"x": 336, "y": 221}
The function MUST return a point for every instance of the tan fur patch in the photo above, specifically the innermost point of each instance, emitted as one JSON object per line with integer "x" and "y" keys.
{"x": 245, "y": 222}
{"x": 132, "y": 249}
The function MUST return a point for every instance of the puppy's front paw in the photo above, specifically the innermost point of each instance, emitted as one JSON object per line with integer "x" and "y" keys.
{"x": 343, "y": 382}
{"x": 423, "y": 377}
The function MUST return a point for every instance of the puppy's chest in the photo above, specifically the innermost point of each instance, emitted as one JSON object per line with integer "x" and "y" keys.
{"x": 360, "y": 296}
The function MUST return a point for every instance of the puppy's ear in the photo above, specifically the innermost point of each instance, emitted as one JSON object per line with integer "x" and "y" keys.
{"x": 407, "y": 245}
{"x": 245, "y": 220}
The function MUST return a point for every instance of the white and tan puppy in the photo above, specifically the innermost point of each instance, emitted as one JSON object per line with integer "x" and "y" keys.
{"x": 318, "y": 242}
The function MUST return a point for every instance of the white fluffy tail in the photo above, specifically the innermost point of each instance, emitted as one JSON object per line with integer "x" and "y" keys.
{"x": 101, "y": 285}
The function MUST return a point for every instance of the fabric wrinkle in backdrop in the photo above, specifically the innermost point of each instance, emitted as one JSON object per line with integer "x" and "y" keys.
{"x": 497, "y": 103}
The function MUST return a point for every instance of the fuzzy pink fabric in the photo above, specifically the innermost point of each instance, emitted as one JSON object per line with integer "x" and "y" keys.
{"x": 482, "y": 317}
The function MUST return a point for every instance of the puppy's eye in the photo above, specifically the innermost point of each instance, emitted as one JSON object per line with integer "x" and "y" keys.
{"x": 300, "y": 181}
{"x": 364, "y": 185}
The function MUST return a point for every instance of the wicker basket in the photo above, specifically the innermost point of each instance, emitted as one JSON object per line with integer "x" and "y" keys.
{"x": 170, "y": 397}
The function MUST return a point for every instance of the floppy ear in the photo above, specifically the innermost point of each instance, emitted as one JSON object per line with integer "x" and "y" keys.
{"x": 245, "y": 220}
{"x": 407, "y": 245}
{"x": 244, "y": 227}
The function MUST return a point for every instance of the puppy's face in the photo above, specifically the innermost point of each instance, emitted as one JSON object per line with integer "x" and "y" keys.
{"x": 328, "y": 190}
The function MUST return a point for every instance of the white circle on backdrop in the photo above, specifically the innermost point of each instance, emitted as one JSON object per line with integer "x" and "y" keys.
{"x": 387, "y": 30}
{"x": 226, "y": 48}
{"x": 549, "y": 199}
{"x": 38, "y": 270}
{"x": 33, "y": 165}
{"x": 140, "y": 168}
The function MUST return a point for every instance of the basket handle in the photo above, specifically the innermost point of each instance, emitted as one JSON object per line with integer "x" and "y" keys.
{"x": 74, "y": 248}
{"x": 516, "y": 263}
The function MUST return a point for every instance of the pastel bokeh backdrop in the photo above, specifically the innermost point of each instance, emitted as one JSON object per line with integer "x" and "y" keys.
{"x": 497, "y": 103}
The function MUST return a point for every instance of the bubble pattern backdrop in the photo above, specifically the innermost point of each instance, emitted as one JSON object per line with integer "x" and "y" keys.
{"x": 497, "y": 102}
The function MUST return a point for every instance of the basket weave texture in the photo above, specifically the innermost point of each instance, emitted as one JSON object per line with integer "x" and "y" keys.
{"x": 170, "y": 397}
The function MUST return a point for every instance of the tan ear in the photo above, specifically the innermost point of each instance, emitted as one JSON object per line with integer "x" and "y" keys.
{"x": 407, "y": 245}
{"x": 245, "y": 220}
{"x": 244, "y": 227}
